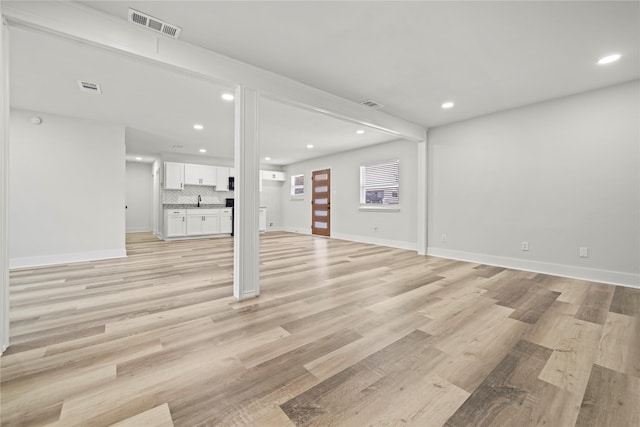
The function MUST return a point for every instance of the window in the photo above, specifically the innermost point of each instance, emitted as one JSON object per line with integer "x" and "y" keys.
{"x": 379, "y": 184}
{"x": 297, "y": 186}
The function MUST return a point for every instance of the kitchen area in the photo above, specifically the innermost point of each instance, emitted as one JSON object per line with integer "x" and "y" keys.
{"x": 197, "y": 200}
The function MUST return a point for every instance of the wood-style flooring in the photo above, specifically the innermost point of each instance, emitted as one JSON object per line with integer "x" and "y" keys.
{"x": 343, "y": 334}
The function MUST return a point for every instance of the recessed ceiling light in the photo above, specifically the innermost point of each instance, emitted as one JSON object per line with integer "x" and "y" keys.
{"x": 267, "y": 158}
{"x": 198, "y": 126}
{"x": 227, "y": 97}
{"x": 609, "y": 59}
{"x": 309, "y": 145}
{"x": 203, "y": 150}
{"x": 138, "y": 158}
{"x": 359, "y": 131}
{"x": 447, "y": 105}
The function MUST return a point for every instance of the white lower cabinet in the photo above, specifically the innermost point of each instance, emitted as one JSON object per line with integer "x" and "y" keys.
{"x": 225, "y": 221}
{"x": 175, "y": 222}
{"x": 262, "y": 225}
{"x": 203, "y": 221}
{"x": 211, "y": 224}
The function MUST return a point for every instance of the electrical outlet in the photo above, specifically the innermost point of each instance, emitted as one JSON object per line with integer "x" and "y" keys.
{"x": 584, "y": 252}
{"x": 443, "y": 238}
{"x": 525, "y": 246}
{"x": 271, "y": 224}
{"x": 375, "y": 227}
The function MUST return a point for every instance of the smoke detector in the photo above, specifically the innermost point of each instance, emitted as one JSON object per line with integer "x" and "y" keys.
{"x": 371, "y": 104}
{"x": 90, "y": 87}
{"x": 157, "y": 25}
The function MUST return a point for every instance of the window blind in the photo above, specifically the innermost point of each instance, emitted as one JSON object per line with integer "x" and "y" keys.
{"x": 380, "y": 183}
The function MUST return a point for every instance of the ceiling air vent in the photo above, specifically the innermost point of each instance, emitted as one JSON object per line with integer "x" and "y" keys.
{"x": 90, "y": 87}
{"x": 154, "y": 24}
{"x": 371, "y": 104}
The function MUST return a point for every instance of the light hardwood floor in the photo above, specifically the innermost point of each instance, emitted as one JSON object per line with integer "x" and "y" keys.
{"x": 344, "y": 334}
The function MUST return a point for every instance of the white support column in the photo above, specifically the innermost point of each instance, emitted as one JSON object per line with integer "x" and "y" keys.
{"x": 422, "y": 196}
{"x": 4, "y": 186}
{"x": 246, "y": 252}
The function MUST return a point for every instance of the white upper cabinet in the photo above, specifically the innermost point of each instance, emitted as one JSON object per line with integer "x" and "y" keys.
{"x": 199, "y": 174}
{"x": 192, "y": 174}
{"x": 173, "y": 176}
{"x": 273, "y": 175}
{"x": 209, "y": 175}
{"x": 222, "y": 179}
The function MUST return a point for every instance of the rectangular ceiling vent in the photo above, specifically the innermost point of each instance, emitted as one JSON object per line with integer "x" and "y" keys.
{"x": 90, "y": 87}
{"x": 154, "y": 24}
{"x": 371, "y": 104}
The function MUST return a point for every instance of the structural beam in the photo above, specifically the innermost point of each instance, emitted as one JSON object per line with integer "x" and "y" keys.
{"x": 422, "y": 225}
{"x": 80, "y": 22}
{"x": 4, "y": 186}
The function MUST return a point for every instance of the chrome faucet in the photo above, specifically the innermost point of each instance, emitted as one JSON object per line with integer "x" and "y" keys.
{"x": 199, "y": 199}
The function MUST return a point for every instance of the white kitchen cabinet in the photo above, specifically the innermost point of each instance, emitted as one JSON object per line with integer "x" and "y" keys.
{"x": 225, "y": 221}
{"x": 175, "y": 223}
{"x": 194, "y": 224}
{"x": 232, "y": 172}
{"x": 273, "y": 175}
{"x": 211, "y": 224}
{"x": 209, "y": 175}
{"x": 173, "y": 176}
{"x": 199, "y": 174}
{"x": 262, "y": 225}
{"x": 192, "y": 174}
{"x": 203, "y": 221}
{"x": 222, "y": 178}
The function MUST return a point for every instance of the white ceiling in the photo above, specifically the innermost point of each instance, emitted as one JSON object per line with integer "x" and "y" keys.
{"x": 159, "y": 106}
{"x": 409, "y": 56}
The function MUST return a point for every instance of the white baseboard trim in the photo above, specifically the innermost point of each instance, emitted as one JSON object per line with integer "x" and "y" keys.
{"x": 42, "y": 260}
{"x": 361, "y": 239}
{"x": 400, "y": 244}
{"x": 139, "y": 230}
{"x": 570, "y": 271}
{"x": 297, "y": 230}
{"x": 248, "y": 295}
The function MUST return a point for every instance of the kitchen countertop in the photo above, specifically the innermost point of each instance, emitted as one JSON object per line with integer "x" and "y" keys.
{"x": 192, "y": 206}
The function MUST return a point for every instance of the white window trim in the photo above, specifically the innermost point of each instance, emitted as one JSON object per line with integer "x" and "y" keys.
{"x": 379, "y": 207}
{"x": 395, "y": 208}
{"x": 299, "y": 196}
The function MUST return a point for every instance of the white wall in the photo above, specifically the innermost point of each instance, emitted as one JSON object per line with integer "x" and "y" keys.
{"x": 67, "y": 186}
{"x": 560, "y": 175}
{"x": 271, "y": 198}
{"x": 397, "y": 229}
{"x": 138, "y": 197}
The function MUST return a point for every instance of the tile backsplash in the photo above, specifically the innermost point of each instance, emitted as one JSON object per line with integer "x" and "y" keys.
{"x": 189, "y": 195}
